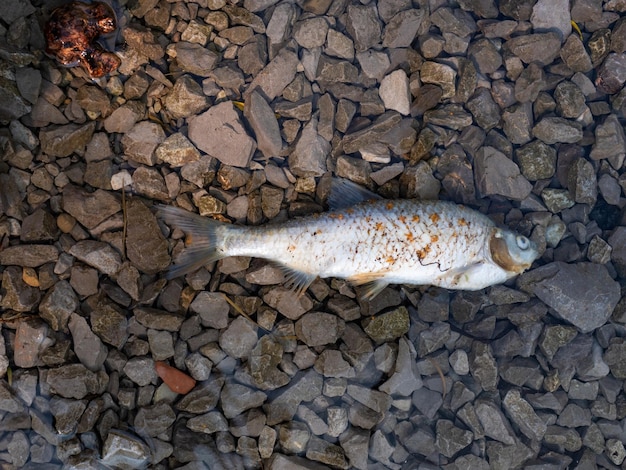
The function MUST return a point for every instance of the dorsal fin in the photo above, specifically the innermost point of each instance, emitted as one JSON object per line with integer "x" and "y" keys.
{"x": 344, "y": 193}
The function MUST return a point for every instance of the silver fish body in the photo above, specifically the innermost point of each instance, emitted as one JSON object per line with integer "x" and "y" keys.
{"x": 375, "y": 242}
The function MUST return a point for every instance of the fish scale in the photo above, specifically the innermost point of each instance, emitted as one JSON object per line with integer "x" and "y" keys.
{"x": 367, "y": 240}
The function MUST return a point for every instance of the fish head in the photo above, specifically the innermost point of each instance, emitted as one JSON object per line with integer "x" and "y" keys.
{"x": 511, "y": 251}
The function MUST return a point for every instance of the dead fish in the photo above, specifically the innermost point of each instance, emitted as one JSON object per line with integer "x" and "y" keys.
{"x": 368, "y": 241}
{"x": 73, "y": 33}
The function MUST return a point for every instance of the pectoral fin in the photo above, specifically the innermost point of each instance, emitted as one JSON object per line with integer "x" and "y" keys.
{"x": 344, "y": 193}
{"x": 459, "y": 276}
{"x": 373, "y": 283}
{"x": 299, "y": 281}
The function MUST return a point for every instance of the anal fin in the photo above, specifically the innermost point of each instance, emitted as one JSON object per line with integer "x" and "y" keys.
{"x": 299, "y": 281}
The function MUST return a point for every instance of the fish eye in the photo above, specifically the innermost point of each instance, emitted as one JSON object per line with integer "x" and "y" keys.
{"x": 522, "y": 242}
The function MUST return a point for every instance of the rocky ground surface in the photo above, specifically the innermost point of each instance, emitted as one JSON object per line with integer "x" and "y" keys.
{"x": 242, "y": 111}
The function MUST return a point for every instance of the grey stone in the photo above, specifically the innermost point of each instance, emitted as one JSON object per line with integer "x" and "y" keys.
{"x": 552, "y": 130}
{"x": 484, "y": 109}
{"x": 123, "y": 449}
{"x": 451, "y": 439}
{"x": 483, "y": 366}
{"x": 373, "y": 399}
{"x": 73, "y": 381}
{"x": 574, "y": 416}
{"x": 31, "y": 256}
{"x": 219, "y": 133}
{"x": 575, "y": 55}
{"x": 327, "y": 453}
{"x": 405, "y": 378}
{"x": 356, "y": 140}
{"x": 450, "y": 116}
{"x": 141, "y": 371}
{"x": 239, "y": 338}
{"x": 610, "y": 140}
{"x": 30, "y": 342}
{"x": 195, "y": 59}
{"x": 494, "y": 423}
{"x": 331, "y": 363}
{"x": 530, "y": 83}
{"x": 99, "y": 255}
{"x": 318, "y": 328}
{"x": 284, "y": 406}
{"x": 581, "y": 182}
{"x": 523, "y": 415}
{"x": 56, "y": 307}
{"x": 185, "y": 99}
{"x": 87, "y": 346}
{"x": 455, "y": 21}
{"x": 402, "y": 28}
{"x": 339, "y": 45}
{"x": 176, "y": 150}
{"x": 394, "y": 91}
{"x": 355, "y": 443}
{"x": 542, "y": 48}
{"x": 64, "y": 140}
{"x": 552, "y": 16}
{"x": 485, "y": 54}
{"x": 331, "y": 70}
{"x": 309, "y": 156}
{"x": 373, "y": 63}
{"x": 155, "y": 419}
{"x": 496, "y": 174}
{"x": 363, "y": 26}
{"x": 612, "y": 73}
{"x": 567, "y": 438}
{"x": 263, "y": 121}
{"x": 208, "y": 423}
{"x": 582, "y": 294}
{"x": 90, "y": 209}
{"x": 570, "y": 101}
{"x": 311, "y": 33}
{"x": 276, "y": 75}
{"x": 537, "y": 160}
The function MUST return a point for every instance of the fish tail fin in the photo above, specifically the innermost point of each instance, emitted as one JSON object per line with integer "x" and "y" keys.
{"x": 202, "y": 244}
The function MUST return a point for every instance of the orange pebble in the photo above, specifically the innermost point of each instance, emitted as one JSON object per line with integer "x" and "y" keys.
{"x": 175, "y": 379}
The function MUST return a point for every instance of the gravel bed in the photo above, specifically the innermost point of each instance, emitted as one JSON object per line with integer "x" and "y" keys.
{"x": 242, "y": 111}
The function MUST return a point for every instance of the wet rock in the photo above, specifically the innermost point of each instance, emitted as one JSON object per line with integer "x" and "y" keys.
{"x": 570, "y": 101}
{"x": 309, "y": 155}
{"x": 145, "y": 245}
{"x": 155, "y": 419}
{"x": 363, "y": 26}
{"x": 552, "y": 16}
{"x": 99, "y": 255}
{"x": 90, "y": 209}
{"x": 451, "y": 439}
{"x": 29, "y": 255}
{"x": 87, "y": 346}
{"x": 74, "y": 381}
{"x": 236, "y": 399}
{"x": 552, "y": 130}
{"x": 612, "y": 73}
{"x": 30, "y": 341}
{"x": 325, "y": 452}
{"x": 194, "y": 58}
{"x": 64, "y": 140}
{"x": 483, "y": 366}
{"x": 284, "y": 406}
{"x": 239, "y": 338}
{"x": 441, "y": 75}
{"x": 581, "y": 182}
{"x": 219, "y": 133}
{"x": 142, "y": 140}
{"x": 276, "y": 75}
{"x": 108, "y": 322}
{"x": 582, "y": 294}
{"x": 537, "y": 160}
{"x": 354, "y": 141}
{"x": 496, "y": 174}
{"x": 394, "y": 91}
{"x": 610, "y": 141}
{"x": 176, "y": 150}
{"x": 388, "y": 326}
{"x": 542, "y": 48}
{"x": 318, "y": 328}
{"x": 523, "y": 415}
{"x": 158, "y": 319}
{"x": 123, "y": 449}
{"x": 575, "y": 55}
{"x": 402, "y": 28}
{"x": 186, "y": 98}
{"x": 58, "y": 304}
